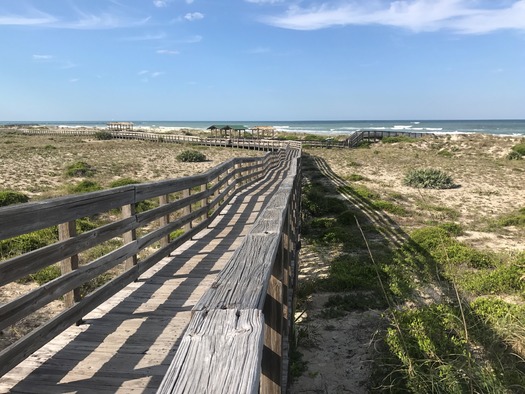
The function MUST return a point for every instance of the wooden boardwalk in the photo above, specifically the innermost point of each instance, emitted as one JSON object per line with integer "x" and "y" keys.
{"x": 127, "y": 343}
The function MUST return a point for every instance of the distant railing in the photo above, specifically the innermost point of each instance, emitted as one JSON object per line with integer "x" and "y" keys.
{"x": 237, "y": 339}
{"x": 246, "y": 143}
{"x": 184, "y": 206}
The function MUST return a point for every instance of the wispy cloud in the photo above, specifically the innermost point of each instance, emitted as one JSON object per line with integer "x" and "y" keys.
{"x": 79, "y": 20}
{"x": 160, "y": 3}
{"x": 460, "y": 16}
{"x": 146, "y": 37}
{"x": 42, "y": 58}
{"x": 146, "y": 74}
{"x": 74, "y": 80}
{"x": 264, "y": 1}
{"x": 193, "y": 16}
{"x": 167, "y": 52}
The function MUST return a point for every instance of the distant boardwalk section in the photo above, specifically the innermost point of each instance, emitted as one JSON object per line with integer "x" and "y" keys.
{"x": 119, "y": 126}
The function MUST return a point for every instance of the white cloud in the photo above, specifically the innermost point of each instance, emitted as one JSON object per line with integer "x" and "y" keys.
{"x": 167, "y": 52}
{"x": 160, "y": 3}
{"x": 146, "y": 37}
{"x": 143, "y": 72}
{"x": 156, "y": 74}
{"x": 193, "y": 16}
{"x": 264, "y": 1}
{"x": 460, "y": 16}
{"x": 73, "y": 80}
{"x": 189, "y": 1}
{"x": 42, "y": 58}
{"x": 80, "y": 21}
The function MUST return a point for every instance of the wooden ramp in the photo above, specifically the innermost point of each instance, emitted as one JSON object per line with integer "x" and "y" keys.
{"x": 127, "y": 344}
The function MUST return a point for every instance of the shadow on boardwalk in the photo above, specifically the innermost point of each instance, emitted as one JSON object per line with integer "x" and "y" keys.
{"x": 127, "y": 344}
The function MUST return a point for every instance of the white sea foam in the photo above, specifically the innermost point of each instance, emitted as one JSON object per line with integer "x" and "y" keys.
{"x": 402, "y": 127}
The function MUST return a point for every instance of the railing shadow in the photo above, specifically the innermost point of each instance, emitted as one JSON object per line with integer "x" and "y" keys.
{"x": 130, "y": 347}
{"x": 498, "y": 352}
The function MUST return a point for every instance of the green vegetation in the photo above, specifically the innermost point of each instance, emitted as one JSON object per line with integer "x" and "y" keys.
{"x": 399, "y": 138}
{"x": 429, "y": 178}
{"x": 27, "y": 242}
{"x": 465, "y": 337}
{"x": 80, "y": 169}
{"x": 513, "y": 155}
{"x": 191, "y": 156}
{"x": 124, "y": 182}
{"x": 9, "y": 197}
{"x": 103, "y": 135}
{"x": 519, "y": 148}
{"x": 84, "y": 186}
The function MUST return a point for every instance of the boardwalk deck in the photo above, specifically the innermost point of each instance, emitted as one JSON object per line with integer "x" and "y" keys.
{"x": 127, "y": 343}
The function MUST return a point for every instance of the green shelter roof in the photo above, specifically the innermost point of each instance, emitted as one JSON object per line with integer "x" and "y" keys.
{"x": 227, "y": 127}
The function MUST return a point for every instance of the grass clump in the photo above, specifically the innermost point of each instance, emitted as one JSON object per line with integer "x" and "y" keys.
{"x": 84, "y": 186}
{"x": 103, "y": 135}
{"x": 513, "y": 155}
{"x": 398, "y": 138}
{"x": 9, "y": 197}
{"x": 516, "y": 218}
{"x": 519, "y": 148}
{"x": 27, "y": 242}
{"x": 428, "y": 178}
{"x": 80, "y": 169}
{"x": 123, "y": 182}
{"x": 191, "y": 156}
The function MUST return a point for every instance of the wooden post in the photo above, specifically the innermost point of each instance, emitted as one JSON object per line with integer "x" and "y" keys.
{"x": 163, "y": 221}
{"x": 66, "y": 231}
{"x": 130, "y": 236}
{"x": 204, "y": 202}
{"x": 187, "y": 209}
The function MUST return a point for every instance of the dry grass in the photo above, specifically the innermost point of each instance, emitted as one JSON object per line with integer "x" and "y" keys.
{"x": 35, "y": 164}
{"x": 489, "y": 184}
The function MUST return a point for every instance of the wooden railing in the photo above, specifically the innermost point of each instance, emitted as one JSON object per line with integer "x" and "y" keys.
{"x": 187, "y": 204}
{"x": 375, "y": 135}
{"x": 237, "y": 339}
{"x": 246, "y": 143}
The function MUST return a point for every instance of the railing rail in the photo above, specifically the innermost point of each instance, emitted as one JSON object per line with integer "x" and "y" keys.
{"x": 247, "y": 143}
{"x": 146, "y": 237}
{"x": 237, "y": 339}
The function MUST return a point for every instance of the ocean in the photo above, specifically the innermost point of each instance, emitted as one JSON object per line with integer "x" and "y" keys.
{"x": 496, "y": 127}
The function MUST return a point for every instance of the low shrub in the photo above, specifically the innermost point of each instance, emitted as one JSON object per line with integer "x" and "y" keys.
{"x": 27, "y": 242}
{"x": 516, "y": 218}
{"x": 520, "y": 148}
{"x": 123, "y": 182}
{"x": 103, "y": 135}
{"x": 428, "y": 178}
{"x": 9, "y": 197}
{"x": 398, "y": 138}
{"x": 84, "y": 187}
{"x": 513, "y": 155}
{"x": 80, "y": 169}
{"x": 46, "y": 274}
{"x": 191, "y": 156}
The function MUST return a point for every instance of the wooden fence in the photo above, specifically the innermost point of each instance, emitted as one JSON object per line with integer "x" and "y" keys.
{"x": 237, "y": 339}
{"x": 145, "y": 237}
{"x": 245, "y": 143}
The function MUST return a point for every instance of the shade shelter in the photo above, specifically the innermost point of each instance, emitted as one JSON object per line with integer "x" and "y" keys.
{"x": 119, "y": 126}
{"x": 264, "y": 131}
{"x": 225, "y": 130}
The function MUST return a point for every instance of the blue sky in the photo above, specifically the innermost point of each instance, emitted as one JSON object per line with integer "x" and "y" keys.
{"x": 262, "y": 59}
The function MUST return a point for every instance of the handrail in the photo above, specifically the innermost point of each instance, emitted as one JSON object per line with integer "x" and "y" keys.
{"x": 237, "y": 339}
{"x": 256, "y": 144}
{"x": 188, "y": 204}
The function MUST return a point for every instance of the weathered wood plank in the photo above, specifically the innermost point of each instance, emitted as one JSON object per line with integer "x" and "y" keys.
{"x": 225, "y": 345}
{"x": 23, "y": 265}
{"x": 24, "y": 218}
